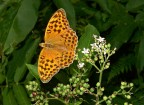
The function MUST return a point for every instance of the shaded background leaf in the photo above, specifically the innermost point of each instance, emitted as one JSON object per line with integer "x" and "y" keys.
{"x": 66, "y": 4}
{"x": 33, "y": 70}
{"x": 22, "y": 26}
{"x": 9, "y": 97}
{"x": 21, "y": 95}
{"x": 22, "y": 23}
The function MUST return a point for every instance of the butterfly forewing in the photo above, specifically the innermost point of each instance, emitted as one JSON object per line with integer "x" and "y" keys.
{"x": 57, "y": 24}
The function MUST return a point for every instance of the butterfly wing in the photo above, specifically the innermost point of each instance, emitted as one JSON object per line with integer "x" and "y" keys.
{"x": 48, "y": 64}
{"x": 57, "y": 24}
{"x": 63, "y": 40}
{"x": 70, "y": 42}
{"x": 59, "y": 33}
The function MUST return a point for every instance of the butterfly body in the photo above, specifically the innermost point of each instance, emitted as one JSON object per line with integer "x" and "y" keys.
{"x": 46, "y": 45}
{"x": 59, "y": 47}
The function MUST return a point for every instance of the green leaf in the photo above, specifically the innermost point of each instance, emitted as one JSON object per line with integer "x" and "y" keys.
{"x": 21, "y": 95}
{"x": 33, "y": 70}
{"x": 27, "y": 52}
{"x": 6, "y": 18}
{"x": 135, "y": 5}
{"x": 2, "y": 78}
{"x": 17, "y": 65}
{"x": 8, "y": 97}
{"x": 87, "y": 38}
{"x": 140, "y": 20}
{"x": 76, "y": 103}
{"x": 122, "y": 65}
{"x": 62, "y": 76}
{"x": 22, "y": 24}
{"x": 123, "y": 29}
{"x": 104, "y": 5}
{"x": 56, "y": 102}
{"x": 29, "y": 77}
{"x": 67, "y": 5}
{"x": 140, "y": 53}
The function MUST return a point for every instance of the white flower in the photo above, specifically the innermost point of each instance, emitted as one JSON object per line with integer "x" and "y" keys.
{"x": 114, "y": 48}
{"x": 80, "y": 65}
{"x": 85, "y": 51}
{"x": 94, "y": 45}
{"x": 105, "y": 51}
{"x": 95, "y": 36}
{"x": 100, "y": 39}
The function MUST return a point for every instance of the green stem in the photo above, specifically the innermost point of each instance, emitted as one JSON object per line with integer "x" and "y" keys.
{"x": 62, "y": 101}
{"x": 100, "y": 77}
{"x": 102, "y": 69}
{"x": 94, "y": 66}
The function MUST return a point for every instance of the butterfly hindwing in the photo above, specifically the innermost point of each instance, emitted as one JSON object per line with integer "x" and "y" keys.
{"x": 48, "y": 64}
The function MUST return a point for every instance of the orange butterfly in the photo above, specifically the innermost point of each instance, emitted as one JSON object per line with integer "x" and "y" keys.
{"x": 59, "y": 48}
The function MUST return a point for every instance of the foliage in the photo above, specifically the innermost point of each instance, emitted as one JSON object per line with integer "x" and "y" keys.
{"x": 22, "y": 25}
{"x": 78, "y": 84}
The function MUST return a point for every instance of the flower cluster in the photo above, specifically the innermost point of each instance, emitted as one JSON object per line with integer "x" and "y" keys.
{"x": 125, "y": 90}
{"x": 36, "y": 94}
{"x": 98, "y": 51}
{"x": 65, "y": 93}
{"x": 77, "y": 86}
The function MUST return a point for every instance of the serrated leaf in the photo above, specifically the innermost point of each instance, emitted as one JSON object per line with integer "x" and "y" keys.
{"x": 123, "y": 29}
{"x": 21, "y": 95}
{"x": 123, "y": 64}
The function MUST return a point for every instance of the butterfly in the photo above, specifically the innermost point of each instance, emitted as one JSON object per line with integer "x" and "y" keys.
{"x": 58, "y": 49}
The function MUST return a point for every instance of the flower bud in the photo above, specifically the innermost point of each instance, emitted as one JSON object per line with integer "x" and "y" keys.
{"x": 105, "y": 98}
{"x": 98, "y": 84}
